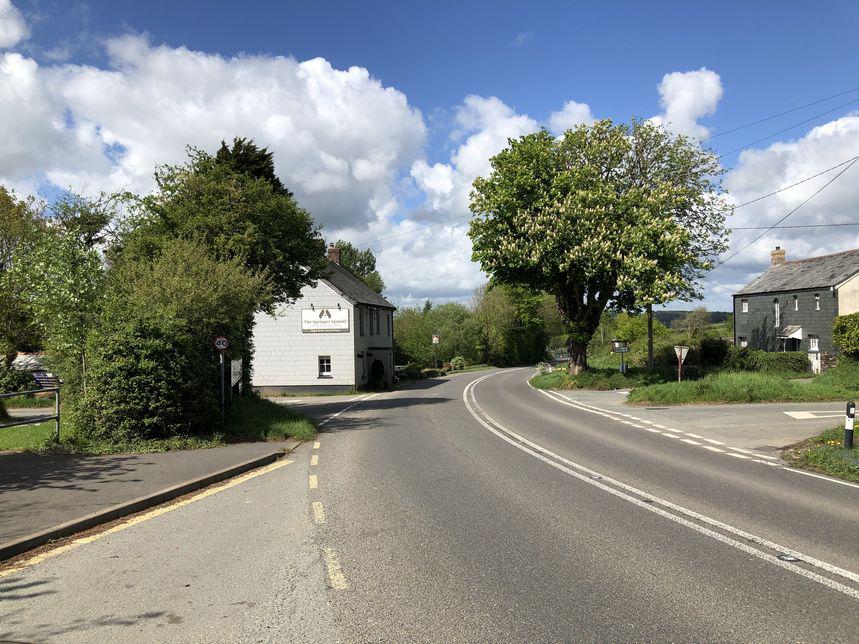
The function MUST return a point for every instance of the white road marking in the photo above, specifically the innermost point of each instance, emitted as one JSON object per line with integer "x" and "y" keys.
{"x": 690, "y": 441}
{"x": 714, "y": 441}
{"x": 820, "y": 476}
{"x": 316, "y": 445}
{"x": 713, "y": 449}
{"x": 335, "y": 572}
{"x": 357, "y": 401}
{"x": 601, "y": 481}
{"x": 812, "y": 415}
{"x": 314, "y": 460}
{"x": 313, "y": 481}
{"x": 318, "y": 513}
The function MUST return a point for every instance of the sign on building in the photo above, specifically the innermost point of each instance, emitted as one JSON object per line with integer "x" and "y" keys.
{"x": 324, "y": 320}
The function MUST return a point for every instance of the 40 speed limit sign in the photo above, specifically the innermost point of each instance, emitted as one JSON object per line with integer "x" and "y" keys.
{"x": 221, "y": 343}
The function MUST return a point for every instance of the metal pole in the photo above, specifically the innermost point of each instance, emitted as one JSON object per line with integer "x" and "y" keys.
{"x": 57, "y": 412}
{"x": 679, "y": 368}
{"x": 848, "y": 425}
{"x": 223, "y": 412}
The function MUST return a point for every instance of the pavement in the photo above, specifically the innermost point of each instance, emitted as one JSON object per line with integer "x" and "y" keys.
{"x": 39, "y": 492}
{"x": 759, "y": 425}
{"x": 469, "y": 509}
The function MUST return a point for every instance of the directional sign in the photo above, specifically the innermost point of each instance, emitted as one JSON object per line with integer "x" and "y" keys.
{"x": 621, "y": 350}
{"x": 221, "y": 343}
{"x": 681, "y": 352}
{"x": 434, "y": 338}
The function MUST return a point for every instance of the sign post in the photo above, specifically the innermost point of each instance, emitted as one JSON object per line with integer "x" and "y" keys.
{"x": 681, "y": 352}
{"x": 849, "y": 419}
{"x": 221, "y": 343}
{"x": 621, "y": 347}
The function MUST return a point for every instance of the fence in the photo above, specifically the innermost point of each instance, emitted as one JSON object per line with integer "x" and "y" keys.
{"x": 35, "y": 420}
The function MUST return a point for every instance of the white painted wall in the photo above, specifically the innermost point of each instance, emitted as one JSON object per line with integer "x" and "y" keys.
{"x": 848, "y": 296}
{"x": 284, "y": 356}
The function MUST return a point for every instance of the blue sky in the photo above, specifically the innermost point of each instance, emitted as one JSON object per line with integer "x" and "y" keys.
{"x": 523, "y": 61}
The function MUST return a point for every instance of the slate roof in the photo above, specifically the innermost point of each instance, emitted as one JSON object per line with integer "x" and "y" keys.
{"x": 814, "y": 272}
{"x": 352, "y": 287}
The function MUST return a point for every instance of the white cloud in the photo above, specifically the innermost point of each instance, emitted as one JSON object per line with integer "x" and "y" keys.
{"x": 522, "y": 39}
{"x": 339, "y": 136}
{"x": 569, "y": 116}
{"x": 13, "y": 28}
{"x": 759, "y": 172}
{"x": 687, "y": 97}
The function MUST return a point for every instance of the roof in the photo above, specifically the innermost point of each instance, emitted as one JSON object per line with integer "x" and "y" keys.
{"x": 814, "y": 272}
{"x": 791, "y": 331}
{"x": 353, "y": 287}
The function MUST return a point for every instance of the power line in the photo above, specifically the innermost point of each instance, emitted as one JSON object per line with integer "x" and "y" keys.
{"x": 795, "y": 125}
{"x": 769, "y": 118}
{"x": 819, "y": 190}
{"x": 852, "y": 223}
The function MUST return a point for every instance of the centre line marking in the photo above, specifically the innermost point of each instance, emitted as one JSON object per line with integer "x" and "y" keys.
{"x": 318, "y": 513}
{"x": 316, "y": 445}
{"x": 314, "y": 460}
{"x": 312, "y": 481}
{"x": 335, "y": 573}
{"x": 624, "y": 491}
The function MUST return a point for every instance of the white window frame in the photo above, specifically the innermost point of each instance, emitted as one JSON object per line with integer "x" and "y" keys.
{"x": 744, "y": 306}
{"x": 796, "y": 303}
{"x": 817, "y": 301}
{"x": 776, "y": 313}
{"x": 323, "y": 362}
{"x": 813, "y": 342}
{"x": 744, "y": 342}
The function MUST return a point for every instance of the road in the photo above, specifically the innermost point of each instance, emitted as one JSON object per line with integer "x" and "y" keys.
{"x": 472, "y": 508}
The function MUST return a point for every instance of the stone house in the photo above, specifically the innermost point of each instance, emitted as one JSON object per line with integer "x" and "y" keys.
{"x": 791, "y": 305}
{"x": 329, "y": 339}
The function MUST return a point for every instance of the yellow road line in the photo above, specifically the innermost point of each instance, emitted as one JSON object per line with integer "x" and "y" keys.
{"x": 316, "y": 445}
{"x": 140, "y": 518}
{"x": 314, "y": 460}
{"x": 335, "y": 572}
{"x": 313, "y": 481}
{"x": 318, "y": 513}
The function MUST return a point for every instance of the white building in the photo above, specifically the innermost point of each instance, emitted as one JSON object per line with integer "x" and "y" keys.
{"x": 327, "y": 340}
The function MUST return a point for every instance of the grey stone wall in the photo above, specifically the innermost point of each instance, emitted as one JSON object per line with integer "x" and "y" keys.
{"x": 758, "y": 327}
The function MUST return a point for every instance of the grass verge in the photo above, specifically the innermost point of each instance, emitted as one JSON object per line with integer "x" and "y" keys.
{"x": 823, "y": 453}
{"x": 27, "y": 402}
{"x": 598, "y": 379}
{"x": 252, "y": 419}
{"x": 745, "y": 387}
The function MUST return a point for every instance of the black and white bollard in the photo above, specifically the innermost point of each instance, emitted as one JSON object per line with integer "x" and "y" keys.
{"x": 848, "y": 425}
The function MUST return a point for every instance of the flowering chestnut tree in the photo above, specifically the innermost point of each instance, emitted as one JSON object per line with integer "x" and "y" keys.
{"x": 606, "y": 215}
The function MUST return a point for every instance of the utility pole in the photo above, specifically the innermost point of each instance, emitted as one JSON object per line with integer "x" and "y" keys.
{"x": 650, "y": 337}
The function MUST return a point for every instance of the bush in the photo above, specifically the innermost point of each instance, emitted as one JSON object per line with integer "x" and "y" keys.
{"x": 14, "y": 380}
{"x": 745, "y": 359}
{"x": 712, "y": 351}
{"x": 148, "y": 381}
{"x": 412, "y": 372}
{"x": 457, "y": 363}
{"x": 433, "y": 373}
{"x": 845, "y": 333}
{"x": 544, "y": 368}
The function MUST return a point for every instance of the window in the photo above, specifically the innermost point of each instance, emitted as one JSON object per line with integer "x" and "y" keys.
{"x": 745, "y": 305}
{"x": 360, "y": 313}
{"x": 776, "y": 313}
{"x": 817, "y": 301}
{"x": 813, "y": 343}
{"x": 324, "y": 366}
{"x": 795, "y": 303}
{"x": 743, "y": 341}
{"x": 388, "y": 323}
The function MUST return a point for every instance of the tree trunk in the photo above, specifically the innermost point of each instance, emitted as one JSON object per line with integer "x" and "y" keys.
{"x": 650, "y": 337}
{"x": 578, "y": 357}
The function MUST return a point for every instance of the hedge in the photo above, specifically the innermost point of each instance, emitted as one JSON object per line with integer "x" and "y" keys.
{"x": 14, "y": 380}
{"x": 745, "y": 359}
{"x": 845, "y": 333}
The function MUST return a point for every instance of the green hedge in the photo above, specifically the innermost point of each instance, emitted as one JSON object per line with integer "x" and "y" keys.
{"x": 845, "y": 333}
{"x": 14, "y": 380}
{"x": 745, "y": 359}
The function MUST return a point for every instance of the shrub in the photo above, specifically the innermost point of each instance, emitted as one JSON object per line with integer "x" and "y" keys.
{"x": 412, "y": 372}
{"x": 745, "y": 359}
{"x": 14, "y": 380}
{"x": 432, "y": 373}
{"x": 845, "y": 333}
{"x": 544, "y": 367}
{"x": 712, "y": 351}
{"x": 457, "y": 363}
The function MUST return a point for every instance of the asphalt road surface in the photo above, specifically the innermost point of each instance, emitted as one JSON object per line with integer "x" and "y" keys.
{"x": 472, "y": 508}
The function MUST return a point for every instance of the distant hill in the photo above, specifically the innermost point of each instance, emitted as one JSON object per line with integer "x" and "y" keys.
{"x": 667, "y": 317}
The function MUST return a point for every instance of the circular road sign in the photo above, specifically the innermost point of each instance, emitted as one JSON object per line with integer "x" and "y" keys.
{"x": 221, "y": 343}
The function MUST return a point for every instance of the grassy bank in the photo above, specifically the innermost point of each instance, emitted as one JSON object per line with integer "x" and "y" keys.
{"x": 28, "y": 402}
{"x": 839, "y": 383}
{"x": 824, "y": 454}
{"x": 599, "y": 379}
{"x": 253, "y": 419}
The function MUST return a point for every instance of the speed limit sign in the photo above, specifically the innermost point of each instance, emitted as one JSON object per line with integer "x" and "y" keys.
{"x": 221, "y": 343}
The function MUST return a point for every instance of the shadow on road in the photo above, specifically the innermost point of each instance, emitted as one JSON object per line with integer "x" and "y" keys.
{"x": 375, "y": 421}
{"x": 34, "y": 471}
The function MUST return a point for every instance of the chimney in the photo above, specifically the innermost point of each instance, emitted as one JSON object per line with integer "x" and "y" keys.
{"x": 777, "y": 256}
{"x": 334, "y": 254}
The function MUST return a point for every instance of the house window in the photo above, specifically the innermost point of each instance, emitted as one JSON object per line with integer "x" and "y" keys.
{"x": 813, "y": 342}
{"x": 817, "y": 301}
{"x": 795, "y": 303}
{"x": 324, "y": 366}
{"x": 360, "y": 312}
{"x": 743, "y": 341}
{"x": 745, "y": 305}
{"x": 388, "y": 323}
{"x": 776, "y": 313}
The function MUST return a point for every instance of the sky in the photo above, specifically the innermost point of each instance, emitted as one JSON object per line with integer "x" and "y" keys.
{"x": 381, "y": 114}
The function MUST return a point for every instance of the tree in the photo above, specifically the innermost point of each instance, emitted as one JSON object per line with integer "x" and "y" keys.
{"x": 583, "y": 218}
{"x": 694, "y": 324}
{"x": 245, "y": 157}
{"x": 362, "y": 263}
{"x": 90, "y": 220}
